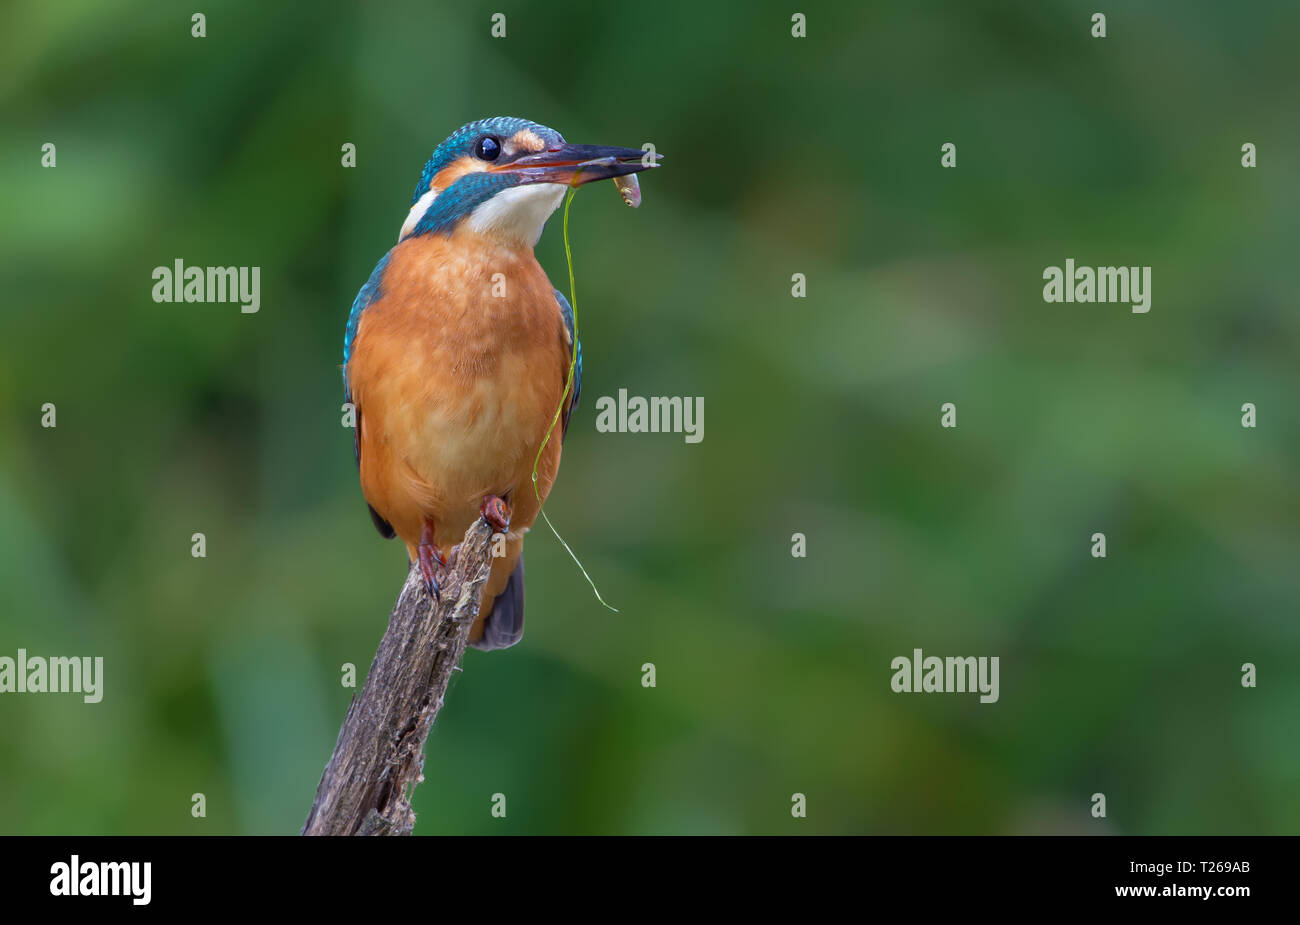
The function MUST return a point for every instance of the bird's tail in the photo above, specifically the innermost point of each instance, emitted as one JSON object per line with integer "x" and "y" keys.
{"x": 504, "y": 624}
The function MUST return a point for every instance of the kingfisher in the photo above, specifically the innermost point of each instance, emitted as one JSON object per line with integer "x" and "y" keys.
{"x": 457, "y": 353}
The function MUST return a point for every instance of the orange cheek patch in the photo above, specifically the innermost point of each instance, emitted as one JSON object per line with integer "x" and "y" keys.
{"x": 457, "y": 169}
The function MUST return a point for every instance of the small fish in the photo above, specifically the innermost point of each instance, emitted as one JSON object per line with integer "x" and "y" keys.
{"x": 629, "y": 189}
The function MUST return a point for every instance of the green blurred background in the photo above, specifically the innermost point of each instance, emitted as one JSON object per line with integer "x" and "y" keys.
{"x": 818, "y": 156}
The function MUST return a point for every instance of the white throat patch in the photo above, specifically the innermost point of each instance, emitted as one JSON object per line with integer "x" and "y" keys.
{"x": 417, "y": 212}
{"x": 518, "y": 213}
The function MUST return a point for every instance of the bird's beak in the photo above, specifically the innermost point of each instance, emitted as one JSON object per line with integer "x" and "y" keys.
{"x": 573, "y": 165}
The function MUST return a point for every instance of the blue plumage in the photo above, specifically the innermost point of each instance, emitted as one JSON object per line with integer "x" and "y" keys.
{"x": 461, "y": 142}
{"x": 461, "y": 199}
{"x": 567, "y": 311}
{"x": 369, "y": 293}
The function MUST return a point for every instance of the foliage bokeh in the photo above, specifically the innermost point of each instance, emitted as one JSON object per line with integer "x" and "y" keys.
{"x": 816, "y": 155}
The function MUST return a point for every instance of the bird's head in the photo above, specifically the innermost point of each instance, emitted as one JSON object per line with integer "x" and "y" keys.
{"x": 505, "y": 176}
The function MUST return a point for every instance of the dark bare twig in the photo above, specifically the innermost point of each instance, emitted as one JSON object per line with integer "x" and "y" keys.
{"x": 379, "y": 756}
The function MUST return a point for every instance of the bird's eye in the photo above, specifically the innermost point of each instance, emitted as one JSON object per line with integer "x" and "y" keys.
{"x": 488, "y": 148}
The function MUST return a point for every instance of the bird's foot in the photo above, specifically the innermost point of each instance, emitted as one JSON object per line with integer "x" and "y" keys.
{"x": 430, "y": 558}
{"x": 429, "y": 571}
{"x": 496, "y": 513}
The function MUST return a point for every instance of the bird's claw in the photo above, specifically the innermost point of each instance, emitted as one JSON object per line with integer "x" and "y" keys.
{"x": 430, "y": 557}
{"x": 496, "y": 513}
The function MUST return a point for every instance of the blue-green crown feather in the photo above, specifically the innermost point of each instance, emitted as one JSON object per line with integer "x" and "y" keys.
{"x": 474, "y": 189}
{"x": 461, "y": 143}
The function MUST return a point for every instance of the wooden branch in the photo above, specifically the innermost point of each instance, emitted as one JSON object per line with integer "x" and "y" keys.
{"x": 379, "y": 757}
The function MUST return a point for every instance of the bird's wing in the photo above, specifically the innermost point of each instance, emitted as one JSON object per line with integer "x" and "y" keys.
{"x": 368, "y": 294}
{"x": 575, "y": 347}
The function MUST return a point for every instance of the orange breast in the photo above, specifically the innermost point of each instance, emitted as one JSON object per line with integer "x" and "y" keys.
{"x": 456, "y": 373}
